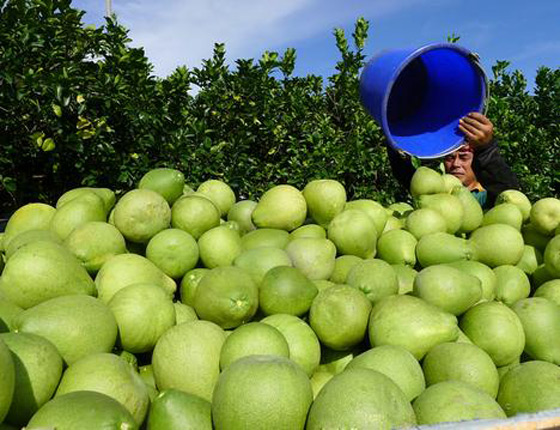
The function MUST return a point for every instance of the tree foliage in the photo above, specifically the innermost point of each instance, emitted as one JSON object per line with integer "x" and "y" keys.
{"x": 80, "y": 106}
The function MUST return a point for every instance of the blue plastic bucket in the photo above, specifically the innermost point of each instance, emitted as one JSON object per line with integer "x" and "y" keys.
{"x": 419, "y": 95}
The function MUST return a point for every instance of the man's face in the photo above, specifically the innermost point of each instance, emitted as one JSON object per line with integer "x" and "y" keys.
{"x": 459, "y": 164}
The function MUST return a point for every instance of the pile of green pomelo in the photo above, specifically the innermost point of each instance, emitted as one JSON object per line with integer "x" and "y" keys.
{"x": 175, "y": 308}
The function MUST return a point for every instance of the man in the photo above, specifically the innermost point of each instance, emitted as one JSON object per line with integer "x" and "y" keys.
{"x": 478, "y": 164}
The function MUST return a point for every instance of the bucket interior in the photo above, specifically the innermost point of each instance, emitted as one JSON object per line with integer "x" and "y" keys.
{"x": 429, "y": 96}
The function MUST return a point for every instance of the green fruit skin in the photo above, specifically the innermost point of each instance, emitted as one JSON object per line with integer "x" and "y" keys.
{"x": 84, "y": 410}
{"x": 76, "y": 213}
{"x": 309, "y": 230}
{"x": 440, "y": 248}
{"x": 111, "y": 375}
{"x": 497, "y": 245}
{"x": 342, "y": 266}
{"x": 504, "y": 213}
{"x": 464, "y": 362}
{"x": 473, "y": 215}
{"x": 397, "y": 247}
{"x": 195, "y": 215}
{"x": 8, "y": 311}
{"x": 220, "y": 193}
{"x": 7, "y": 379}
{"x": 530, "y": 387}
{"x": 451, "y": 401}
{"x": 545, "y": 215}
{"x": 517, "y": 198}
{"x": 354, "y": 233}
{"x": 485, "y": 275}
{"x": 241, "y": 212}
{"x": 32, "y": 216}
{"x": 512, "y": 284}
{"x": 425, "y": 221}
{"x": 448, "y": 206}
{"x": 38, "y": 368}
{"x": 265, "y": 237}
{"x": 107, "y": 196}
{"x": 173, "y": 251}
{"x": 540, "y": 318}
{"x": 41, "y": 271}
{"x": 189, "y": 284}
{"x": 314, "y": 257}
{"x": 167, "y": 182}
{"x": 447, "y": 288}
{"x": 375, "y": 278}
{"x": 362, "y": 399}
{"x": 426, "y": 181}
{"x": 549, "y": 290}
{"x": 282, "y": 207}
{"x": 531, "y": 259}
{"x": 258, "y": 261}
{"x": 412, "y": 323}
{"x": 174, "y": 409}
{"x": 279, "y": 401}
{"x": 76, "y": 325}
{"x": 495, "y": 328}
{"x": 552, "y": 256}
{"x": 325, "y": 199}
{"x": 374, "y": 210}
{"x": 219, "y": 247}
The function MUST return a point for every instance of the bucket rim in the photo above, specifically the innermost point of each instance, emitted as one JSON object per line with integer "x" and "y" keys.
{"x": 414, "y": 53}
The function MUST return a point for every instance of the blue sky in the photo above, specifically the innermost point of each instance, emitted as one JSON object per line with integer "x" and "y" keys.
{"x": 183, "y": 32}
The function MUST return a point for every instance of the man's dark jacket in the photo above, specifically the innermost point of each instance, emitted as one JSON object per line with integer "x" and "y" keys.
{"x": 490, "y": 168}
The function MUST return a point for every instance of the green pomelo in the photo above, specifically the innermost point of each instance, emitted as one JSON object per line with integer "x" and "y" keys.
{"x": 399, "y": 209}
{"x": 282, "y": 207}
{"x": 360, "y": 398}
{"x": 505, "y": 369}
{"x": 143, "y": 313}
{"x": 38, "y": 368}
{"x": 532, "y": 237}
{"x": 227, "y": 296}
{"x": 448, "y": 288}
{"x": 184, "y": 313}
{"x": 517, "y": 198}
{"x": 195, "y": 215}
{"x": 393, "y": 223}
{"x": 549, "y": 290}
{"x": 303, "y": 343}
{"x": 425, "y": 221}
{"x": 540, "y": 276}
{"x": 318, "y": 380}
{"x": 110, "y": 375}
{"x": 30, "y": 236}
{"x": 504, "y": 213}
{"x": 40, "y": 271}
{"x": 7, "y": 379}
{"x": 173, "y": 251}
{"x": 512, "y": 284}
{"x": 397, "y": 247}
{"x": 167, "y": 182}
{"x": 531, "y": 259}
{"x": 412, "y": 323}
{"x": 76, "y": 325}
{"x": 81, "y": 210}
{"x": 497, "y": 245}
{"x": 219, "y": 247}
{"x": 280, "y": 400}
{"x": 189, "y": 284}
{"x": 220, "y": 193}
{"x": 314, "y": 257}
{"x": 461, "y": 362}
{"x": 426, "y": 181}
{"x": 374, "y": 210}
{"x": 354, "y": 233}
{"x": 127, "y": 269}
{"x": 405, "y": 278}
{"x": 339, "y": 316}
{"x": 342, "y": 266}
{"x": 107, "y": 195}
{"x": 309, "y": 230}
{"x": 462, "y": 338}
{"x": 128, "y": 357}
{"x": 141, "y": 214}
{"x": 8, "y": 312}
{"x": 325, "y": 199}
{"x": 32, "y": 216}
{"x": 241, "y": 213}
{"x": 485, "y": 275}
{"x": 174, "y": 409}
{"x": 545, "y": 215}
{"x": 258, "y": 261}
{"x": 375, "y": 278}
{"x": 551, "y": 256}
{"x": 84, "y": 410}
{"x": 187, "y": 357}
{"x": 451, "y": 182}
{"x": 334, "y": 362}
{"x": 231, "y": 225}
{"x": 472, "y": 211}
{"x": 265, "y": 237}
{"x": 440, "y": 248}
{"x": 253, "y": 339}
{"x": 540, "y": 318}
{"x": 448, "y": 206}
{"x": 396, "y": 363}
{"x": 495, "y": 328}
{"x": 455, "y": 400}
{"x": 323, "y": 284}
{"x": 286, "y": 290}
{"x": 93, "y": 243}
{"x": 530, "y": 387}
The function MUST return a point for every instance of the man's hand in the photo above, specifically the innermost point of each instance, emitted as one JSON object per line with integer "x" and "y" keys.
{"x": 478, "y": 130}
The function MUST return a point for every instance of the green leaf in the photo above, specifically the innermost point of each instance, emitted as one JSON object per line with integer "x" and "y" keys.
{"x": 57, "y": 110}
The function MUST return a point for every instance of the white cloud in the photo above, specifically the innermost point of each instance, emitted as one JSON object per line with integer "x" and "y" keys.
{"x": 175, "y": 32}
{"x": 536, "y": 50}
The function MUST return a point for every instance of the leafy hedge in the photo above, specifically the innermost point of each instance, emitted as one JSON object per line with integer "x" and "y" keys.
{"x": 79, "y": 106}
